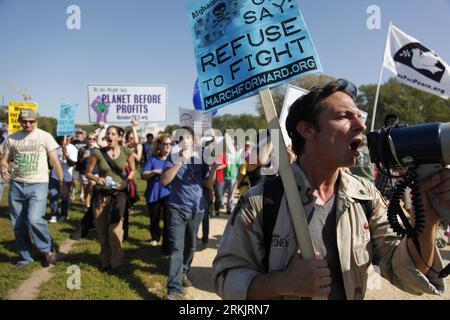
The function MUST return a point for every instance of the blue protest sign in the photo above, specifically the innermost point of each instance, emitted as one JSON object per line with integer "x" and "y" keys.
{"x": 242, "y": 47}
{"x": 66, "y": 120}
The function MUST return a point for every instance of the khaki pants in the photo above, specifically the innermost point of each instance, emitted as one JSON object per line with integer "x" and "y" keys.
{"x": 110, "y": 234}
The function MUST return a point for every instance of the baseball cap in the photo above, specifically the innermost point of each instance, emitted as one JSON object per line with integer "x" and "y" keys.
{"x": 27, "y": 114}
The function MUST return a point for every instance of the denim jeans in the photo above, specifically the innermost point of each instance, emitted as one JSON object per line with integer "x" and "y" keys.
{"x": 182, "y": 234}
{"x": 54, "y": 197}
{"x": 228, "y": 188}
{"x": 27, "y": 203}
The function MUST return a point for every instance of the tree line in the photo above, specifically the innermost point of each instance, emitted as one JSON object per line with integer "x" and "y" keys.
{"x": 412, "y": 106}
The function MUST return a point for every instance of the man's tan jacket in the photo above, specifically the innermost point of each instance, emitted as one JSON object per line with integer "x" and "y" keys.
{"x": 360, "y": 242}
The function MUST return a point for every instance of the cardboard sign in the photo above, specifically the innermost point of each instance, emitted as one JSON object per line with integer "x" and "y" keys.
{"x": 66, "y": 120}
{"x": 119, "y": 103}
{"x": 292, "y": 94}
{"x": 14, "y": 108}
{"x": 242, "y": 47}
{"x": 189, "y": 118}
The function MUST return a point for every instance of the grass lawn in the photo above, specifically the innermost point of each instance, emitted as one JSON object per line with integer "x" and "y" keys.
{"x": 143, "y": 275}
{"x": 10, "y": 278}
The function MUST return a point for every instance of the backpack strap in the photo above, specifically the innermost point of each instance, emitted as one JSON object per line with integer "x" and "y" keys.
{"x": 272, "y": 195}
{"x": 114, "y": 167}
{"x": 367, "y": 204}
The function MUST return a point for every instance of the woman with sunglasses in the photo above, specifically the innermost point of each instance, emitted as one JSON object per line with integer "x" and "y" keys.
{"x": 156, "y": 194}
{"x": 110, "y": 195}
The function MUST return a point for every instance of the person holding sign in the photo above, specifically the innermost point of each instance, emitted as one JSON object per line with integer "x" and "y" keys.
{"x": 132, "y": 141}
{"x": 30, "y": 149}
{"x": 346, "y": 215}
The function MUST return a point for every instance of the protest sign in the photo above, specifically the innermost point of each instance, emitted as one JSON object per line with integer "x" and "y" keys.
{"x": 119, "y": 103}
{"x": 292, "y": 94}
{"x": 189, "y": 118}
{"x": 242, "y": 47}
{"x": 14, "y": 108}
{"x": 66, "y": 120}
{"x": 245, "y": 47}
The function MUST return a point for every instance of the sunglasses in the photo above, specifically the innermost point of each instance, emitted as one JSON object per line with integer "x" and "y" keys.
{"x": 349, "y": 87}
{"x": 91, "y": 138}
{"x": 28, "y": 121}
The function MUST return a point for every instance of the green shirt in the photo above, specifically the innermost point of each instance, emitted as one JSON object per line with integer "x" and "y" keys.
{"x": 233, "y": 164}
{"x": 30, "y": 153}
{"x": 363, "y": 167}
{"x": 104, "y": 170}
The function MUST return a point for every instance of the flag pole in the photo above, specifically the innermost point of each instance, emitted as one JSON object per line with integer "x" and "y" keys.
{"x": 379, "y": 81}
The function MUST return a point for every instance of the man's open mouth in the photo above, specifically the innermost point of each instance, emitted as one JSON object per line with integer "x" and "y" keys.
{"x": 354, "y": 146}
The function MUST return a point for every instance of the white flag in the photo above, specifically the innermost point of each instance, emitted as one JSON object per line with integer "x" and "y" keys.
{"x": 416, "y": 65}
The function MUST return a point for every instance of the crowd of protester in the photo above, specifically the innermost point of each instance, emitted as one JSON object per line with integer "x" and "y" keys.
{"x": 182, "y": 190}
{"x": 99, "y": 169}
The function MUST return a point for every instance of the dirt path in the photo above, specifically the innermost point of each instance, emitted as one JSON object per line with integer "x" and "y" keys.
{"x": 29, "y": 289}
{"x": 200, "y": 275}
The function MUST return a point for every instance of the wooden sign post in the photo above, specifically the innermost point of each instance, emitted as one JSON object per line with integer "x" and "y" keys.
{"x": 295, "y": 205}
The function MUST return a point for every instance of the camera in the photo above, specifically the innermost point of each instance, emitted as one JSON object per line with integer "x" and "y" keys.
{"x": 420, "y": 149}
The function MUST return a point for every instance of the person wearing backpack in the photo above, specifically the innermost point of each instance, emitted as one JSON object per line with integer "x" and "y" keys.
{"x": 259, "y": 258}
{"x": 111, "y": 195}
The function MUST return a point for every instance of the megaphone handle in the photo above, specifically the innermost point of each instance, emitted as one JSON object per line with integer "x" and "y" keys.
{"x": 425, "y": 171}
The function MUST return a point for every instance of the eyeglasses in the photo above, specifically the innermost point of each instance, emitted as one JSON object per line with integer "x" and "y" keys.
{"x": 349, "y": 87}
{"x": 28, "y": 121}
{"x": 91, "y": 138}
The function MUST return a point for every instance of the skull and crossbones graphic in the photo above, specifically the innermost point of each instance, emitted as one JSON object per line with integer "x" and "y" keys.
{"x": 221, "y": 13}
{"x": 214, "y": 24}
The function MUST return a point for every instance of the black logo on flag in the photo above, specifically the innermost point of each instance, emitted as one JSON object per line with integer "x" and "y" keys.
{"x": 421, "y": 59}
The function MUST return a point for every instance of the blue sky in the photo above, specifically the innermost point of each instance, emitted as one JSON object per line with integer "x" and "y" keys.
{"x": 149, "y": 42}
